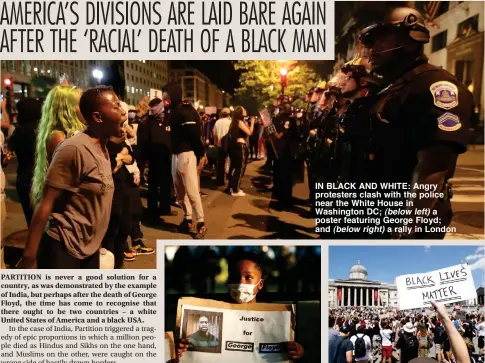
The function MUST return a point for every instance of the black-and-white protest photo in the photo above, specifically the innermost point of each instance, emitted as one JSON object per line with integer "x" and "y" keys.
{"x": 203, "y": 330}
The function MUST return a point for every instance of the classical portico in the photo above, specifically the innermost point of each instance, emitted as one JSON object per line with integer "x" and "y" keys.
{"x": 359, "y": 291}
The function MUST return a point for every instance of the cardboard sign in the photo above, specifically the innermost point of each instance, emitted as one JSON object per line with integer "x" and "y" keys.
{"x": 265, "y": 117}
{"x": 447, "y": 285}
{"x": 235, "y": 333}
{"x": 209, "y": 110}
{"x": 461, "y": 315}
{"x": 383, "y": 316}
{"x": 169, "y": 346}
{"x": 155, "y": 93}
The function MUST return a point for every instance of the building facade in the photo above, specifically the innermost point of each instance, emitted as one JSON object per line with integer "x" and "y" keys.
{"x": 77, "y": 72}
{"x": 142, "y": 75}
{"x": 457, "y": 45}
{"x": 135, "y": 78}
{"x": 197, "y": 88}
{"x": 357, "y": 290}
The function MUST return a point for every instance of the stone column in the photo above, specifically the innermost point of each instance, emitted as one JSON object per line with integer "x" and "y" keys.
{"x": 348, "y": 296}
{"x": 343, "y": 296}
{"x": 361, "y": 296}
{"x": 372, "y": 298}
{"x": 366, "y": 296}
{"x": 355, "y": 296}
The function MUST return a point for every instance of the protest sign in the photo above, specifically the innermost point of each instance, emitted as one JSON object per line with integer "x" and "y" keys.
{"x": 447, "y": 285}
{"x": 461, "y": 315}
{"x": 383, "y": 316}
{"x": 236, "y": 333}
{"x": 210, "y": 110}
{"x": 169, "y": 346}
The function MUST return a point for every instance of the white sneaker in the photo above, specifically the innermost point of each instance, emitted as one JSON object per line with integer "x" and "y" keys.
{"x": 240, "y": 193}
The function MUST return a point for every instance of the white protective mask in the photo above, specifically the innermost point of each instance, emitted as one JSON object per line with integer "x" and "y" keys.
{"x": 242, "y": 293}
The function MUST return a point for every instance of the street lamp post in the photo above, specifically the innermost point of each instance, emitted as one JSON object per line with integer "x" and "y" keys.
{"x": 283, "y": 74}
{"x": 98, "y": 75}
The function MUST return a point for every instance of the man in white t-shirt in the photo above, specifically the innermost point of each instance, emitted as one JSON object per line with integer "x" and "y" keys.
{"x": 221, "y": 128}
{"x": 362, "y": 345}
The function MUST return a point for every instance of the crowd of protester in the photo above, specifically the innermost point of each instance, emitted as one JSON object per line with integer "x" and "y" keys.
{"x": 163, "y": 145}
{"x": 385, "y": 335}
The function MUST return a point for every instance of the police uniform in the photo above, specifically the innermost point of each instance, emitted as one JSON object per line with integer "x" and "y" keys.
{"x": 426, "y": 107}
{"x": 285, "y": 160}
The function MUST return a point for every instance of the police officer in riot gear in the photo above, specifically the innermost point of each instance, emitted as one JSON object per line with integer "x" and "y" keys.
{"x": 423, "y": 117}
{"x": 360, "y": 88}
{"x": 285, "y": 140}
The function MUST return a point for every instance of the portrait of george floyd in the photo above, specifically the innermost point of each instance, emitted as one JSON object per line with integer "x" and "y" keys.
{"x": 203, "y": 329}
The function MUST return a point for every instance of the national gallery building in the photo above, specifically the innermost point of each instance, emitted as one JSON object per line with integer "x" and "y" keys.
{"x": 359, "y": 291}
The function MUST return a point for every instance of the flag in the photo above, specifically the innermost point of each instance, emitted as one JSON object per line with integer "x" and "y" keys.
{"x": 431, "y": 10}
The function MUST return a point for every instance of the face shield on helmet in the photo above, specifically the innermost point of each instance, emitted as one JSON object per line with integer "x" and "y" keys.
{"x": 386, "y": 41}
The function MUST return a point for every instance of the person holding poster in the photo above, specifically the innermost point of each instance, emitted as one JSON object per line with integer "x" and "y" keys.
{"x": 244, "y": 282}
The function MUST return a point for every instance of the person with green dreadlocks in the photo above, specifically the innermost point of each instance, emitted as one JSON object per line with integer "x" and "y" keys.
{"x": 72, "y": 216}
{"x": 60, "y": 119}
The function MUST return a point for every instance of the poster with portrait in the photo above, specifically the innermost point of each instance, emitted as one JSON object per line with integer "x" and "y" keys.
{"x": 235, "y": 333}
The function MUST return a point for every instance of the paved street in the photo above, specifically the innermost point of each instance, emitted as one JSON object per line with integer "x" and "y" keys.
{"x": 253, "y": 216}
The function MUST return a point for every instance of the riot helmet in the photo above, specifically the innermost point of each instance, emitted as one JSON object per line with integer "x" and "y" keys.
{"x": 358, "y": 76}
{"x": 399, "y": 39}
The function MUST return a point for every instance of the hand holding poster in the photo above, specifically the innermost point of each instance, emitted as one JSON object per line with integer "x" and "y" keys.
{"x": 236, "y": 333}
{"x": 447, "y": 285}
{"x": 169, "y": 346}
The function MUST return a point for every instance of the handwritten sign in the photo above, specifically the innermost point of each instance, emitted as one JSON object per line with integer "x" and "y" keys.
{"x": 265, "y": 117}
{"x": 234, "y": 333}
{"x": 155, "y": 93}
{"x": 447, "y": 285}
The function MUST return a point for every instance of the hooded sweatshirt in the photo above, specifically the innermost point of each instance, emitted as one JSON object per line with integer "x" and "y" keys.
{"x": 185, "y": 123}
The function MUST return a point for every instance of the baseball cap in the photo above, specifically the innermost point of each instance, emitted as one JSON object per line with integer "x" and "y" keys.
{"x": 226, "y": 110}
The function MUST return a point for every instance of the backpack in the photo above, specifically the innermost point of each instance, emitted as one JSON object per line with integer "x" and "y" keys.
{"x": 411, "y": 343}
{"x": 359, "y": 346}
{"x": 440, "y": 335}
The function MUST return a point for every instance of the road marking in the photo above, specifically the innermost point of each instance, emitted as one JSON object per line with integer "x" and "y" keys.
{"x": 472, "y": 169}
{"x": 467, "y": 198}
{"x": 468, "y": 188}
{"x": 467, "y": 236}
{"x": 468, "y": 179}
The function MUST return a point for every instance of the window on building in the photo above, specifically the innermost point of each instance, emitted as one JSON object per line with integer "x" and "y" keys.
{"x": 12, "y": 66}
{"x": 467, "y": 27}
{"x": 463, "y": 71}
{"x": 132, "y": 89}
{"x": 438, "y": 42}
{"x": 4, "y": 65}
{"x": 28, "y": 70}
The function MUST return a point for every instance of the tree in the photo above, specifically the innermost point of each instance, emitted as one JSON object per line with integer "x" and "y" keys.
{"x": 261, "y": 81}
{"x": 42, "y": 85}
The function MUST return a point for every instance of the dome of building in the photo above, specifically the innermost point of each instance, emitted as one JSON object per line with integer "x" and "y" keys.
{"x": 358, "y": 272}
